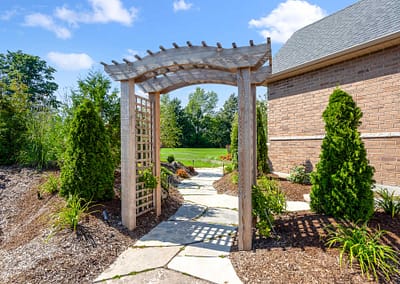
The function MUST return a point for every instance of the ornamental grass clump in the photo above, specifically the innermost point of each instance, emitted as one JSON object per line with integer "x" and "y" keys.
{"x": 342, "y": 182}
{"x": 388, "y": 202}
{"x": 365, "y": 247}
{"x": 69, "y": 216}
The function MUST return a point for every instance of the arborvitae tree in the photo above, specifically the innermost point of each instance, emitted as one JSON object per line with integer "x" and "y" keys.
{"x": 88, "y": 169}
{"x": 341, "y": 185}
{"x": 262, "y": 150}
{"x": 234, "y": 141}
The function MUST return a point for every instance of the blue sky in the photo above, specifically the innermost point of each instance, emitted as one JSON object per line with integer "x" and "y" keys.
{"x": 75, "y": 36}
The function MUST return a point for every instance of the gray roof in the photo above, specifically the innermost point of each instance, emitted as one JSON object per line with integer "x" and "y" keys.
{"x": 357, "y": 24}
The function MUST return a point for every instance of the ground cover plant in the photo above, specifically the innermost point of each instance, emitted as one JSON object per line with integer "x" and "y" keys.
{"x": 298, "y": 174}
{"x": 196, "y": 157}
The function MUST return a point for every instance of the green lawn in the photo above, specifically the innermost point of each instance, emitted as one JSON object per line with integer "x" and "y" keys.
{"x": 200, "y": 157}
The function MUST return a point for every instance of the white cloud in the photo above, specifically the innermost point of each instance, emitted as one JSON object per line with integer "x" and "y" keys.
{"x": 102, "y": 11}
{"x": 46, "y": 22}
{"x": 181, "y": 5}
{"x": 131, "y": 54}
{"x": 287, "y": 18}
{"x": 7, "y": 15}
{"x": 71, "y": 61}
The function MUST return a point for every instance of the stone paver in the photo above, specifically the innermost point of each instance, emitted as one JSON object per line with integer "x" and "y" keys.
{"x": 188, "y": 211}
{"x": 218, "y": 200}
{"x": 158, "y": 276}
{"x": 220, "y": 216}
{"x": 214, "y": 269}
{"x": 170, "y": 233}
{"x": 139, "y": 259}
{"x": 297, "y": 206}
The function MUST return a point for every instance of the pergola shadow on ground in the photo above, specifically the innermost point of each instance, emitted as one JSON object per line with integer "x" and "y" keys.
{"x": 169, "y": 69}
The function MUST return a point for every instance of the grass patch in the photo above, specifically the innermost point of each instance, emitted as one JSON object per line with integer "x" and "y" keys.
{"x": 197, "y": 157}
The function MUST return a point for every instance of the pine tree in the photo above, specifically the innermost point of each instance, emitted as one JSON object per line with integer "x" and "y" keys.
{"x": 341, "y": 185}
{"x": 262, "y": 150}
{"x": 88, "y": 169}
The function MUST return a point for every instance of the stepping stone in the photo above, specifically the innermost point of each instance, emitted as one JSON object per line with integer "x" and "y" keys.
{"x": 292, "y": 206}
{"x": 139, "y": 259}
{"x": 188, "y": 211}
{"x": 216, "y": 247}
{"x": 217, "y": 201}
{"x": 158, "y": 276}
{"x": 170, "y": 233}
{"x": 197, "y": 191}
{"x": 214, "y": 269}
{"x": 220, "y": 216}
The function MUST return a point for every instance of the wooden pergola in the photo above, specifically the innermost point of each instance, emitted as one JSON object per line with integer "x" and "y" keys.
{"x": 169, "y": 69}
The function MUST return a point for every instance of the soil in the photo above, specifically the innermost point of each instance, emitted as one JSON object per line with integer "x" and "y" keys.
{"x": 28, "y": 256}
{"x": 296, "y": 252}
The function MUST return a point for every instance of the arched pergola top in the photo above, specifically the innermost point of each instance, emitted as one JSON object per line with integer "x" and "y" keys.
{"x": 190, "y": 57}
{"x": 183, "y": 78}
{"x": 170, "y": 69}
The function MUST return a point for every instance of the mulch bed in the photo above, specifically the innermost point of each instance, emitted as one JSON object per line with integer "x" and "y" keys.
{"x": 26, "y": 257}
{"x": 297, "y": 253}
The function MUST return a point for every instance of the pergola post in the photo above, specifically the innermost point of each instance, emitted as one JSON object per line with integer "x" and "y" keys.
{"x": 128, "y": 165}
{"x": 155, "y": 99}
{"x": 246, "y": 141}
{"x": 254, "y": 97}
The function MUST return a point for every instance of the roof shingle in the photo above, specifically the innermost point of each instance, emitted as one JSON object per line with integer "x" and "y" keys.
{"x": 362, "y": 22}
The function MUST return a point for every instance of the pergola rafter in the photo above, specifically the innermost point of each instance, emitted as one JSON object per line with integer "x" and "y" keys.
{"x": 170, "y": 69}
{"x": 190, "y": 57}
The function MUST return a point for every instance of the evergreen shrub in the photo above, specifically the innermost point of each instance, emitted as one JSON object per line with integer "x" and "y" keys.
{"x": 342, "y": 182}
{"x": 88, "y": 169}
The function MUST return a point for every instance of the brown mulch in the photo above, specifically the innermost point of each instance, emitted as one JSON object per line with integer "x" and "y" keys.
{"x": 297, "y": 252}
{"x": 293, "y": 191}
{"x": 26, "y": 256}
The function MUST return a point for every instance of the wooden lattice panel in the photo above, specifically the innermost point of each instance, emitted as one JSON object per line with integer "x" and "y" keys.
{"x": 144, "y": 153}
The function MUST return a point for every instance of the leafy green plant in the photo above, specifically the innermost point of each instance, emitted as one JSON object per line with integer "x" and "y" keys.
{"x": 70, "y": 215}
{"x": 235, "y": 178}
{"x": 146, "y": 176}
{"x": 170, "y": 158}
{"x": 388, "y": 202}
{"x": 298, "y": 174}
{"x": 51, "y": 185}
{"x": 267, "y": 200}
{"x": 228, "y": 169}
{"x": 365, "y": 247}
{"x": 165, "y": 173}
{"x": 342, "y": 182}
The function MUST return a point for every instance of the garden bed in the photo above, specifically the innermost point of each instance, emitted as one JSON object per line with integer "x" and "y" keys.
{"x": 297, "y": 253}
{"x": 25, "y": 255}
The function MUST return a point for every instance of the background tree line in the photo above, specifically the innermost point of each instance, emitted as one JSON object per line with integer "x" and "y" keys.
{"x": 198, "y": 124}
{"x": 34, "y": 124}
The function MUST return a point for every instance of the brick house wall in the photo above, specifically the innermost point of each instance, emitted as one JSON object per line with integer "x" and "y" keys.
{"x": 296, "y": 104}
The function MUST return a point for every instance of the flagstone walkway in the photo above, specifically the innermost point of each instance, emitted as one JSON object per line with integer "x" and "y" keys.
{"x": 192, "y": 246}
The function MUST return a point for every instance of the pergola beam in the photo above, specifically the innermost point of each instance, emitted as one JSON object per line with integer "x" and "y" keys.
{"x": 229, "y": 59}
{"x": 175, "y": 80}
